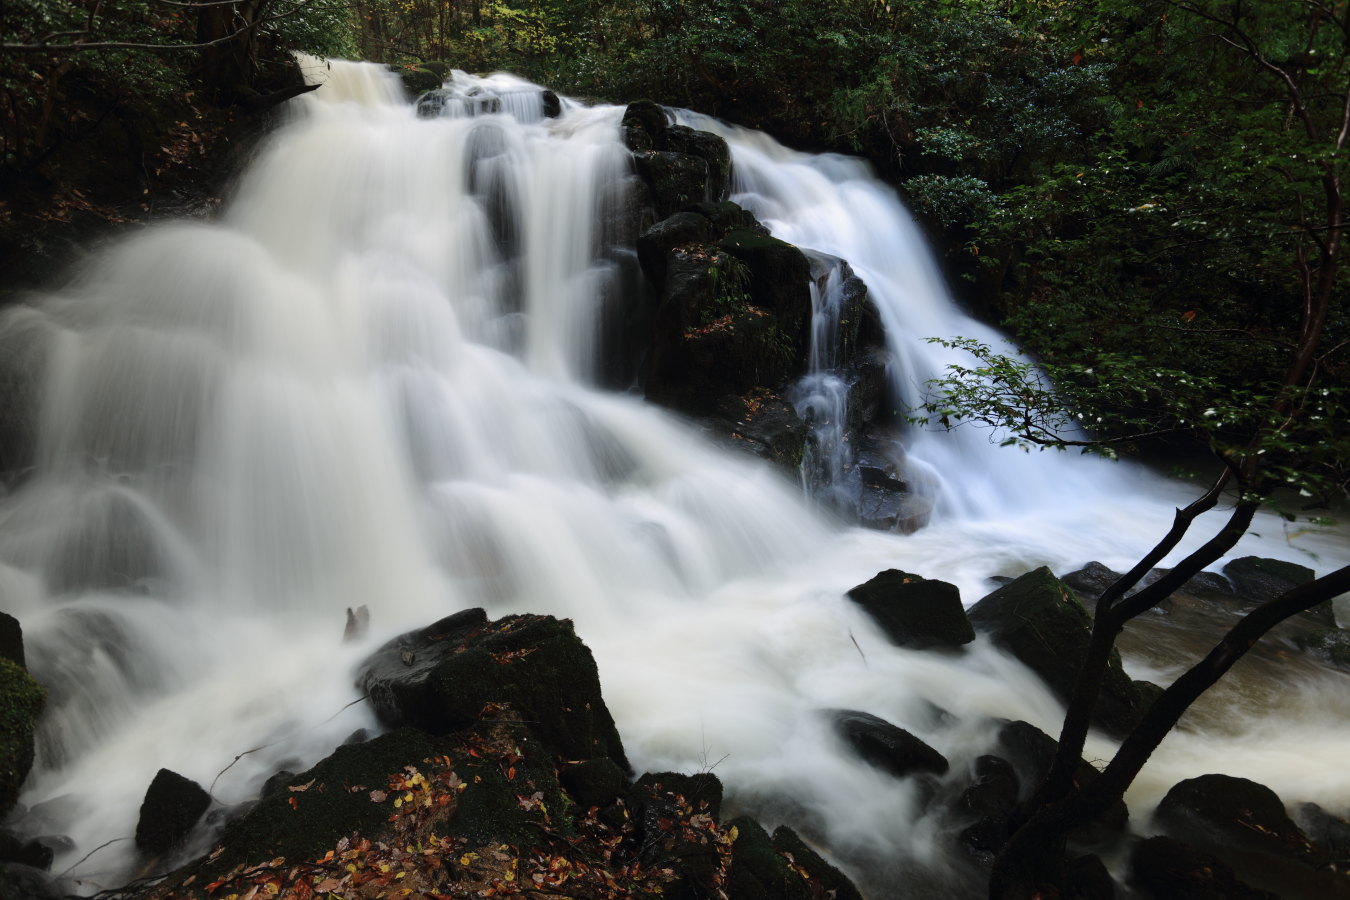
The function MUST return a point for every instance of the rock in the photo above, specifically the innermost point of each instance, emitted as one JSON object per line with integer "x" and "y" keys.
{"x": 648, "y": 116}
{"x": 21, "y": 702}
{"x": 1038, "y": 619}
{"x": 914, "y": 611}
{"x": 20, "y": 882}
{"x": 1031, "y": 753}
{"x": 172, "y": 805}
{"x": 993, "y": 790}
{"x": 1234, "y": 811}
{"x": 709, "y": 147}
{"x": 886, "y": 746}
{"x": 658, "y": 241}
{"x": 277, "y": 783}
{"x": 432, "y": 104}
{"x": 443, "y": 677}
{"x": 825, "y": 879}
{"x": 1091, "y": 581}
{"x": 1245, "y": 824}
{"x": 677, "y": 180}
{"x": 33, "y": 853}
{"x": 1258, "y": 580}
{"x": 552, "y": 104}
{"x": 758, "y": 871}
{"x": 763, "y": 425}
{"x": 11, "y": 640}
{"x": 780, "y": 278}
{"x": 1330, "y": 645}
{"x": 1167, "y": 869}
{"x": 594, "y": 782}
{"x": 1330, "y": 834}
{"x": 659, "y": 801}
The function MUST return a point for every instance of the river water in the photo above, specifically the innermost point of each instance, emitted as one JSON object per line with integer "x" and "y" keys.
{"x": 365, "y": 383}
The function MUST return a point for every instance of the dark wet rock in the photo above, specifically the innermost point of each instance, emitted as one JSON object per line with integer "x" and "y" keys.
{"x": 725, "y": 216}
{"x": 36, "y": 853}
{"x": 172, "y": 806}
{"x": 648, "y": 116}
{"x": 1330, "y": 645}
{"x": 21, "y": 702}
{"x": 433, "y": 103}
{"x": 1167, "y": 869}
{"x": 826, "y": 879}
{"x": 1257, "y": 580}
{"x": 359, "y": 736}
{"x": 915, "y": 612}
{"x": 993, "y": 789}
{"x": 552, "y": 104}
{"x": 660, "y": 800}
{"x": 1235, "y": 811}
{"x": 1031, "y": 753}
{"x": 758, "y": 871}
{"x": 984, "y": 838}
{"x": 305, "y": 824}
{"x": 11, "y": 639}
{"x": 886, "y": 746}
{"x": 656, "y": 243}
{"x": 1088, "y": 879}
{"x": 763, "y": 425}
{"x": 443, "y": 677}
{"x": 711, "y": 148}
{"x": 1246, "y": 825}
{"x": 277, "y": 783}
{"x": 594, "y": 782}
{"x": 780, "y": 276}
{"x": 677, "y": 180}
{"x": 1329, "y": 833}
{"x": 1038, "y": 619}
{"x": 1091, "y": 581}
{"x": 20, "y": 882}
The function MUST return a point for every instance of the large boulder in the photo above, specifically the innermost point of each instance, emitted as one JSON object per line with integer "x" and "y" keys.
{"x": 172, "y": 806}
{"x": 446, "y": 676}
{"x": 21, "y": 701}
{"x": 1257, "y": 580}
{"x": 1038, "y": 619}
{"x": 677, "y": 180}
{"x": 914, "y": 611}
{"x": 886, "y": 746}
{"x": 11, "y": 640}
{"x": 1246, "y": 825}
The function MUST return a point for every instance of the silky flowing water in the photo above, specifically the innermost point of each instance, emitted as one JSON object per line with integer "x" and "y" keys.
{"x": 372, "y": 380}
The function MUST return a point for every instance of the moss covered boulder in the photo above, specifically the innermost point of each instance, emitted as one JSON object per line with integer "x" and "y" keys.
{"x": 1037, "y": 619}
{"x": 915, "y": 612}
{"x": 21, "y": 701}
{"x": 451, "y": 674}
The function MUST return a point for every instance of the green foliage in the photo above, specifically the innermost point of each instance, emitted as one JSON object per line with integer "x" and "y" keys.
{"x": 951, "y": 199}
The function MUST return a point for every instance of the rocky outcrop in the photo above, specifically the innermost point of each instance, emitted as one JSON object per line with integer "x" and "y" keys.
{"x": 498, "y": 799}
{"x": 172, "y": 806}
{"x": 1038, "y": 619}
{"x": 886, "y": 746}
{"x": 449, "y": 675}
{"x": 915, "y": 612}
{"x": 1246, "y": 826}
{"x": 21, "y": 701}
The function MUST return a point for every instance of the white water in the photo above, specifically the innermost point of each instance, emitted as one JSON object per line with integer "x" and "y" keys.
{"x": 346, "y": 392}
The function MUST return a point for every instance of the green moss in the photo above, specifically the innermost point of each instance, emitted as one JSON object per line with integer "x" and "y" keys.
{"x": 21, "y": 702}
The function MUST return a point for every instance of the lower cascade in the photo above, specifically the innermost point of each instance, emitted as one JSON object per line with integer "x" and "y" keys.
{"x": 404, "y": 370}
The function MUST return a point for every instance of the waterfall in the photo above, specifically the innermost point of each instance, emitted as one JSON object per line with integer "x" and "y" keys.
{"x": 375, "y": 380}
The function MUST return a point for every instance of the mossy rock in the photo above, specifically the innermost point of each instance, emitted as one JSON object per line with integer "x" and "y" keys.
{"x": 329, "y": 801}
{"x": 21, "y": 702}
{"x": 1038, "y": 619}
{"x": 420, "y": 79}
{"x": 823, "y": 879}
{"x": 537, "y": 665}
{"x": 677, "y": 180}
{"x": 758, "y": 871}
{"x": 915, "y": 612}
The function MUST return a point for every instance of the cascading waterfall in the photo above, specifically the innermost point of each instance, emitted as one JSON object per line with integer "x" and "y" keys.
{"x": 373, "y": 381}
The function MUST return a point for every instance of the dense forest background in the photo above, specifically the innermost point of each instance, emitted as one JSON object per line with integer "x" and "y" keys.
{"x": 1146, "y": 193}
